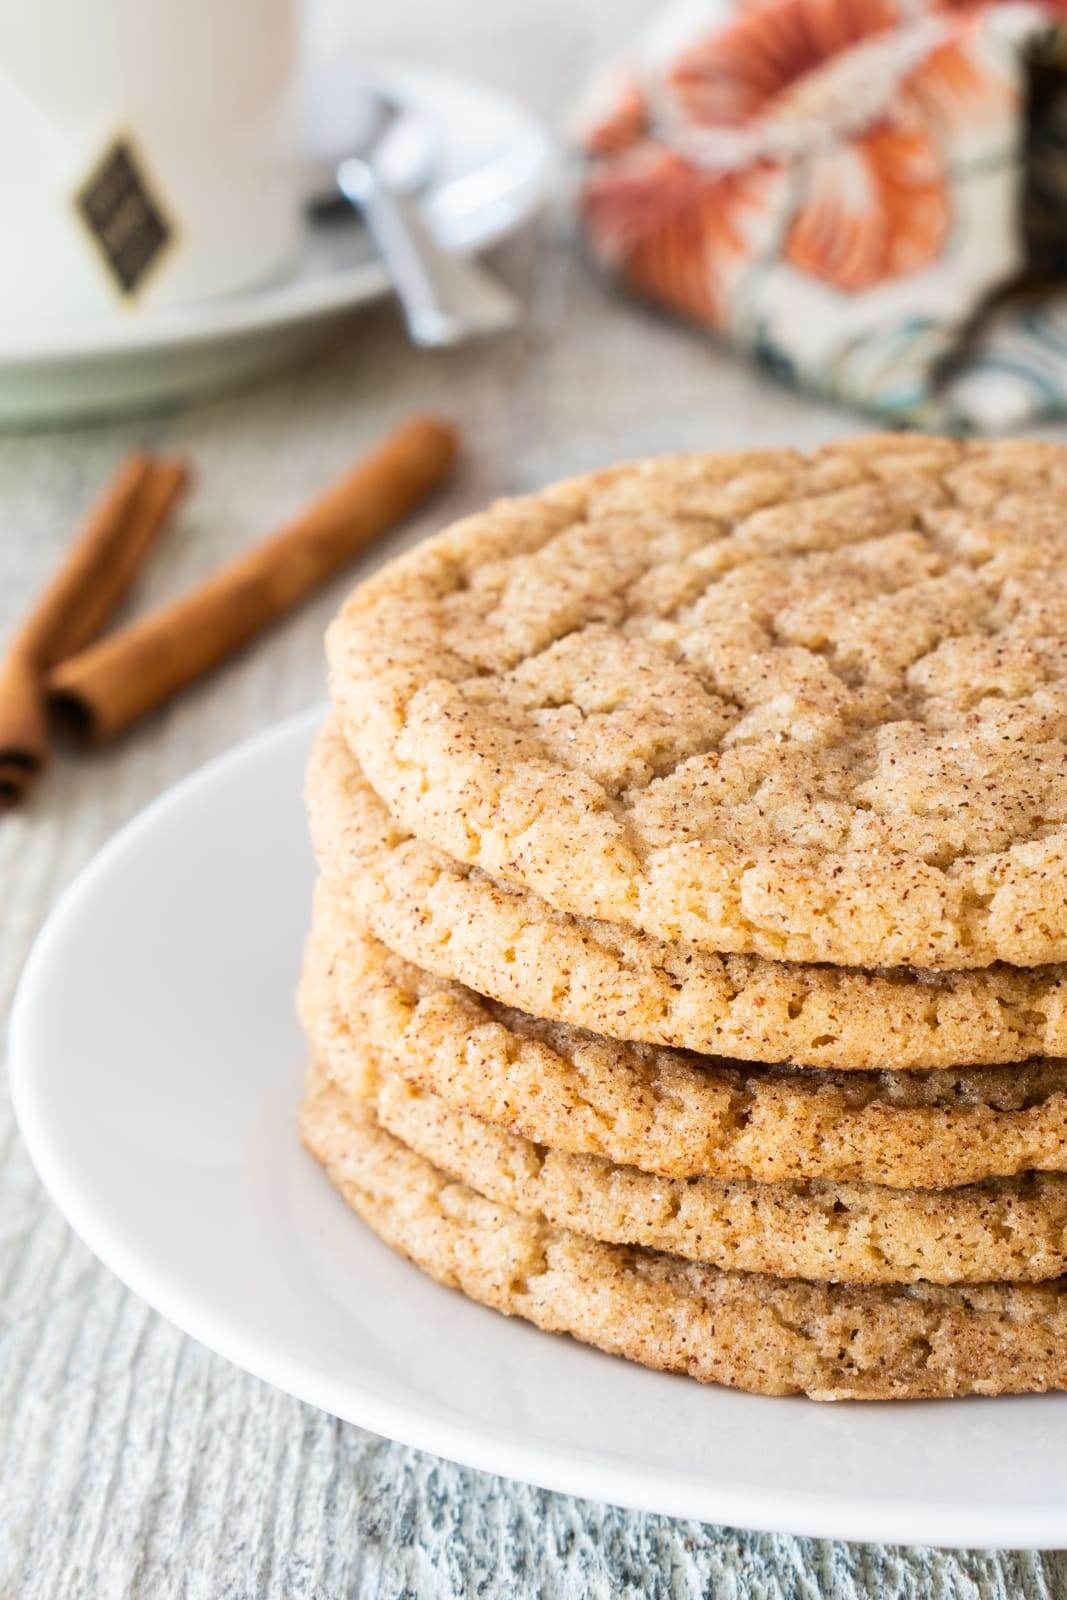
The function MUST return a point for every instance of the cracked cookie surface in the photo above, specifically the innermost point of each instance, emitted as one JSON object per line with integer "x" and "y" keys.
{"x": 669, "y": 1112}
{"x": 768, "y": 1335}
{"x": 503, "y": 941}
{"x": 811, "y": 707}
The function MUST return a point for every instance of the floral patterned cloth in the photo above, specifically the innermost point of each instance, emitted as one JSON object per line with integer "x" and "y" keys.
{"x": 845, "y": 188}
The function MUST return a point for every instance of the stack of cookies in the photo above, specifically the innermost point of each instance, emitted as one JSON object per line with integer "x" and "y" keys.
{"x": 693, "y": 852}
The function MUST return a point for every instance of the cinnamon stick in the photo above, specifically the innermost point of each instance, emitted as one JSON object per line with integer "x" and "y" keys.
{"x": 99, "y": 693}
{"x": 92, "y": 580}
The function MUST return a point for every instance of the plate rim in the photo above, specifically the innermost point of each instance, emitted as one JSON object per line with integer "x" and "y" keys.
{"x": 585, "y": 1474}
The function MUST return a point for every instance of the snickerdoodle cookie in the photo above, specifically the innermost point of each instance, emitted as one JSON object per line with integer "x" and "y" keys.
{"x": 1011, "y": 1230}
{"x": 766, "y": 1334}
{"x": 809, "y": 707}
{"x": 670, "y": 1112}
{"x": 454, "y": 921}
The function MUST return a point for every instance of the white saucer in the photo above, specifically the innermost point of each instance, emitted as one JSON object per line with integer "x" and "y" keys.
{"x": 494, "y": 168}
{"x": 156, "y": 1069}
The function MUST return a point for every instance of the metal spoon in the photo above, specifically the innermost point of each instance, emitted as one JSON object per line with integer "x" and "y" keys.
{"x": 446, "y": 298}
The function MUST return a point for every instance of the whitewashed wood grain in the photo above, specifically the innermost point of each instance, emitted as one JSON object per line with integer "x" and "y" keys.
{"x": 132, "y": 1462}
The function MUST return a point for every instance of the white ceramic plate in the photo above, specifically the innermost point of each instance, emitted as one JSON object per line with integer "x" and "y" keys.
{"x": 494, "y": 168}
{"x": 156, "y": 1068}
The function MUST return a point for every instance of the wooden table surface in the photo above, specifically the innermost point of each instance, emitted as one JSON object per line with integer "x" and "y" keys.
{"x": 132, "y": 1462}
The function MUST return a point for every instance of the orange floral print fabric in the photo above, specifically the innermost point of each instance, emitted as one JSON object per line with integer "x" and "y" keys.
{"x": 811, "y": 158}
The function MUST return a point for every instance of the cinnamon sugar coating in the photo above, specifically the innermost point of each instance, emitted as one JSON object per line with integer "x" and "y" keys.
{"x": 670, "y": 1112}
{"x": 810, "y": 707}
{"x": 506, "y": 942}
{"x": 769, "y": 1335}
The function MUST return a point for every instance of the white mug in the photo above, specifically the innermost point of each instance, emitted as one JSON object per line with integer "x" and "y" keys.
{"x": 147, "y": 153}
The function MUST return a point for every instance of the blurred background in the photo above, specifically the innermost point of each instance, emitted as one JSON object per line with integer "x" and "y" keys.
{"x": 589, "y": 375}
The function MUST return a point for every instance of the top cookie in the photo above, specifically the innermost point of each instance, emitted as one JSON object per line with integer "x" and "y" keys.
{"x": 809, "y": 707}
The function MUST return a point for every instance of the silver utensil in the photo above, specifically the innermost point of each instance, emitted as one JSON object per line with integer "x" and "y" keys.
{"x": 390, "y": 153}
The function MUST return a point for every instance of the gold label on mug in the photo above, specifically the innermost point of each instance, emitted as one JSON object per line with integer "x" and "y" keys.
{"x": 124, "y": 216}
